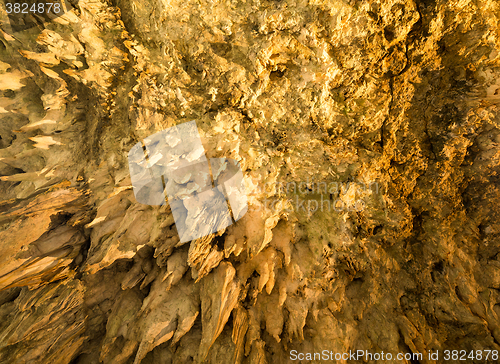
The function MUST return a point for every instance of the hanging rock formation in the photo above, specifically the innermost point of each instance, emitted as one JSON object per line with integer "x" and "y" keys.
{"x": 369, "y": 139}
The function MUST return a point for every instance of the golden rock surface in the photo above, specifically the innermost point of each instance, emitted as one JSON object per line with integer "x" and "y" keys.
{"x": 368, "y": 135}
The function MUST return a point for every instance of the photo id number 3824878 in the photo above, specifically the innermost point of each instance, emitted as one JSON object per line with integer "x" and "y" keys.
{"x": 39, "y": 8}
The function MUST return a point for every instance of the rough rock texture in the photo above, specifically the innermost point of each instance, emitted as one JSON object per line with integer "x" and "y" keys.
{"x": 401, "y": 96}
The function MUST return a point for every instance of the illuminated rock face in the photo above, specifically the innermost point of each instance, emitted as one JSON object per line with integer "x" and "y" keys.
{"x": 368, "y": 138}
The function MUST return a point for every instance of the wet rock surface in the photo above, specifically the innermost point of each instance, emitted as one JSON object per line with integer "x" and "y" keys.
{"x": 369, "y": 140}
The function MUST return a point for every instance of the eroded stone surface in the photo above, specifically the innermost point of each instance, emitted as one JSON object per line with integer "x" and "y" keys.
{"x": 368, "y": 136}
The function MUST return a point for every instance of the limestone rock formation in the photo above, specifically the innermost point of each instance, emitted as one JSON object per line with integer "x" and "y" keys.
{"x": 369, "y": 139}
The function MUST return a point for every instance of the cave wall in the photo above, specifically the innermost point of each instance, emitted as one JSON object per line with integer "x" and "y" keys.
{"x": 392, "y": 105}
